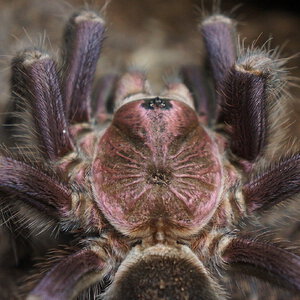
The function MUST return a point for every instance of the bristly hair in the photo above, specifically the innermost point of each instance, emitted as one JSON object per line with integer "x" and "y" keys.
{"x": 278, "y": 108}
{"x": 146, "y": 200}
{"x": 42, "y": 266}
{"x": 268, "y": 60}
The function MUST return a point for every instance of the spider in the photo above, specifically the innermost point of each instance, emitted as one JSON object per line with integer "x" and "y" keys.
{"x": 149, "y": 200}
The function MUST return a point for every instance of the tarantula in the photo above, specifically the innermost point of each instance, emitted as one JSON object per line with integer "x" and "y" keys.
{"x": 148, "y": 200}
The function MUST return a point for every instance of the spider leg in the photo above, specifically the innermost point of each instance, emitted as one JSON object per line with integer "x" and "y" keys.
{"x": 39, "y": 86}
{"x": 12, "y": 121}
{"x": 276, "y": 184}
{"x": 195, "y": 80}
{"x": 264, "y": 260}
{"x": 46, "y": 193}
{"x": 71, "y": 275}
{"x": 219, "y": 38}
{"x": 244, "y": 97}
{"x": 178, "y": 90}
{"x": 82, "y": 42}
{"x": 104, "y": 96}
{"x": 132, "y": 83}
{"x": 20, "y": 181}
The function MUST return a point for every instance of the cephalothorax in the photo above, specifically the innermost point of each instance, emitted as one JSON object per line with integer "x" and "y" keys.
{"x": 151, "y": 197}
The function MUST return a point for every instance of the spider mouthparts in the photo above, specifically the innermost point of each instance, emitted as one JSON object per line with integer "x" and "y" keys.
{"x": 157, "y": 102}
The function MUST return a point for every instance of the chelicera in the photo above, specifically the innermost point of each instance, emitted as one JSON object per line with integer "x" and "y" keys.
{"x": 151, "y": 197}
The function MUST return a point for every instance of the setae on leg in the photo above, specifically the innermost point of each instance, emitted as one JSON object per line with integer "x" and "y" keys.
{"x": 83, "y": 39}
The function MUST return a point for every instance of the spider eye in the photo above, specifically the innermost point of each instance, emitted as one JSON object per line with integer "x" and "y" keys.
{"x": 157, "y": 102}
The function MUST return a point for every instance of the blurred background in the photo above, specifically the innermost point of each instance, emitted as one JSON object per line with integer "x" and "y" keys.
{"x": 156, "y": 35}
{"x": 136, "y": 29}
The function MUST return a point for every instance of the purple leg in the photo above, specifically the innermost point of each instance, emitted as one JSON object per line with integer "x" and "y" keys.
{"x": 83, "y": 39}
{"x": 193, "y": 78}
{"x": 61, "y": 282}
{"x": 264, "y": 260}
{"x": 244, "y": 109}
{"x": 104, "y": 98}
{"x": 40, "y": 88}
{"x": 276, "y": 184}
{"x": 219, "y": 38}
{"x": 12, "y": 122}
{"x": 20, "y": 181}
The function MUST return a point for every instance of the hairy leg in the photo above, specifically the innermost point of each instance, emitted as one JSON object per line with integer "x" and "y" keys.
{"x": 82, "y": 42}
{"x": 264, "y": 260}
{"x": 219, "y": 36}
{"x": 40, "y": 89}
{"x": 276, "y": 184}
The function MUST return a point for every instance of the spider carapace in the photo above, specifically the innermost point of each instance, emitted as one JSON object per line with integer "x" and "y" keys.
{"x": 157, "y": 162}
